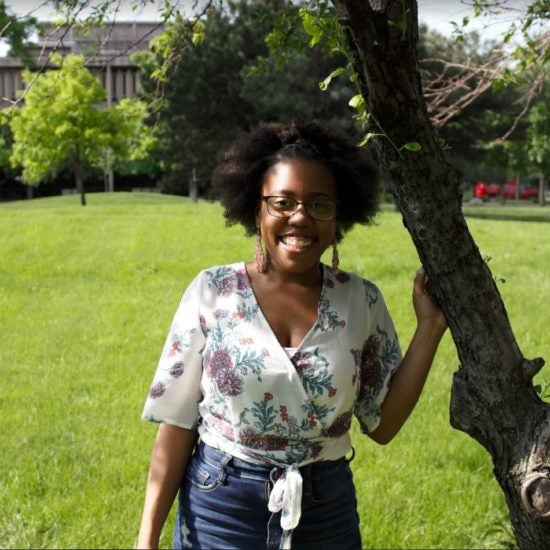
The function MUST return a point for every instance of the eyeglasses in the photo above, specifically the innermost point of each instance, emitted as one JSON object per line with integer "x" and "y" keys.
{"x": 284, "y": 207}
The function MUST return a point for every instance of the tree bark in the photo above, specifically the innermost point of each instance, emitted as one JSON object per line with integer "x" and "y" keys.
{"x": 79, "y": 183}
{"x": 194, "y": 186}
{"x": 492, "y": 396}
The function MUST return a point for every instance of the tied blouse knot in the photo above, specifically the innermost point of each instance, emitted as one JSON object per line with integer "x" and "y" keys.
{"x": 223, "y": 371}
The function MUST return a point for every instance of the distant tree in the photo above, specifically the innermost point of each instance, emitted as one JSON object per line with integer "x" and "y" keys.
{"x": 227, "y": 81}
{"x": 202, "y": 108}
{"x": 62, "y": 127}
{"x": 16, "y": 31}
{"x": 5, "y": 142}
{"x": 538, "y": 141}
{"x": 467, "y": 129}
{"x": 290, "y": 81}
{"x": 515, "y": 145}
{"x": 134, "y": 149}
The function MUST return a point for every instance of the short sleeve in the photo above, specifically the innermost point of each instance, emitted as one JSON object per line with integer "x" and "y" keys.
{"x": 378, "y": 360}
{"x": 175, "y": 392}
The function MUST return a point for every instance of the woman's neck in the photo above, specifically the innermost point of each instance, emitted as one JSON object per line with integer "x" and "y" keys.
{"x": 273, "y": 276}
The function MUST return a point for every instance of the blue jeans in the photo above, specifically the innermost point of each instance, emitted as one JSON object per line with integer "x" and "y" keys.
{"x": 223, "y": 504}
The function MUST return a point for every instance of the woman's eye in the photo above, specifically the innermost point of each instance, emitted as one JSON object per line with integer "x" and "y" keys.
{"x": 283, "y": 204}
{"x": 320, "y": 206}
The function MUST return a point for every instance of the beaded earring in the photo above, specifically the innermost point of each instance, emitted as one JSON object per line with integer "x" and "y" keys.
{"x": 261, "y": 263}
{"x": 335, "y": 259}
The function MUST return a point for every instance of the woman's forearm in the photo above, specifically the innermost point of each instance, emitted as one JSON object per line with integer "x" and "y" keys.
{"x": 171, "y": 453}
{"x": 407, "y": 383}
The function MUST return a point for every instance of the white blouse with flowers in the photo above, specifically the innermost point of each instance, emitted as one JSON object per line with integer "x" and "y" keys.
{"x": 224, "y": 372}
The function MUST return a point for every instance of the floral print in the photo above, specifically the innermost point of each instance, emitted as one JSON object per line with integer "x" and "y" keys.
{"x": 223, "y": 370}
{"x": 156, "y": 390}
{"x": 313, "y": 370}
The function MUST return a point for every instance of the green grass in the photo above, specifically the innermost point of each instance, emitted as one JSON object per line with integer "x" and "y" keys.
{"x": 511, "y": 210}
{"x": 87, "y": 295}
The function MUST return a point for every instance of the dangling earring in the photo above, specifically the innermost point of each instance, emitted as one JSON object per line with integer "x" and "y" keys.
{"x": 261, "y": 263}
{"x": 335, "y": 259}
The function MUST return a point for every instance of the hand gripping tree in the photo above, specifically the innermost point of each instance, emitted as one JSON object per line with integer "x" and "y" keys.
{"x": 493, "y": 399}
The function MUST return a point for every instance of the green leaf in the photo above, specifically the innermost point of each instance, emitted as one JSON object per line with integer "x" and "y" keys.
{"x": 367, "y": 138}
{"x": 357, "y": 102}
{"x": 199, "y": 33}
{"x": 337, "y": 72}
{"x": 508, "y": 36}
{"x": 412, "y": 146}
{"x": 497, "y": 85}
{"x": 311, "y": 26}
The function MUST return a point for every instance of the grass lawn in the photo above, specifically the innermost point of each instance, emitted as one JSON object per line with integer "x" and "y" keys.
{"x": 87, "y": 296}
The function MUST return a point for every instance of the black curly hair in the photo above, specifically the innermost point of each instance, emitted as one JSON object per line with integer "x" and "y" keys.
{"x": 238, "y": 177}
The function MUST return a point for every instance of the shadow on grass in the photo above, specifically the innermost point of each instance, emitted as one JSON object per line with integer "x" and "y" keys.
{"x": 506, "y": 212}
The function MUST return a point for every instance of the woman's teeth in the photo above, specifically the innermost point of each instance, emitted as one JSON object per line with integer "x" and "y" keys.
{"x": 297, "y": 242}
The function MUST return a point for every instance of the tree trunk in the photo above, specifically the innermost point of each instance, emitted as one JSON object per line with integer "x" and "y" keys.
{"x": 542, "y": 188}
{"x": 79, "y": 183}
{"x": 194, "y": 186}
{"x": 492, "y": 396}
{"x": 502, "y": 196}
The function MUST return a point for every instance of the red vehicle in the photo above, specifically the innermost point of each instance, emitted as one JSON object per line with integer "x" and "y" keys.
{"x": 486, "y": 191}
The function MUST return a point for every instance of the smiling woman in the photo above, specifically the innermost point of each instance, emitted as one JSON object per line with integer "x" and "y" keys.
{"x": 268, "y": 361}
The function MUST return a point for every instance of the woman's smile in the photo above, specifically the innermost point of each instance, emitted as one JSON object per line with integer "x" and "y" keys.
{"x": 297, "y": 242}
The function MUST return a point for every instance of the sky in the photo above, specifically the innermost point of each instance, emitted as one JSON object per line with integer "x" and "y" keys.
{"x": 437, "y": 14}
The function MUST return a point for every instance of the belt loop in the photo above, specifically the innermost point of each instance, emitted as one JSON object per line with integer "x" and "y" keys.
{"x": 223, "y": 466}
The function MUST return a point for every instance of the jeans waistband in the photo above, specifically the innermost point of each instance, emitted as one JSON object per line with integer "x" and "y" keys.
{"x": 313, "y": 469}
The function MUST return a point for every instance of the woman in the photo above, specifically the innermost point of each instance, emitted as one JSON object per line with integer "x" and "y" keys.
{"x": 268, "y": 361}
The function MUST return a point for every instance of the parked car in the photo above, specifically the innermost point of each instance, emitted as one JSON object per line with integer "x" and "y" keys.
{"x": 486, "y": 191}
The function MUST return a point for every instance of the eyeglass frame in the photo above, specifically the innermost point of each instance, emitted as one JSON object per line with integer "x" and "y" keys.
{"x": 298, "y": 204}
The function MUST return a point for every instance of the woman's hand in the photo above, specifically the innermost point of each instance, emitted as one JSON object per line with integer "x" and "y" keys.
{"x": 427, "y": 310}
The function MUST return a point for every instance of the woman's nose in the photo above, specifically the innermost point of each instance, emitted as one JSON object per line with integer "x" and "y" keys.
{"x": 300, "y": 215}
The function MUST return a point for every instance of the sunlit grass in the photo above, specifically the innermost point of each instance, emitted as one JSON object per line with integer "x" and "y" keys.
{"x": 86, "y": 298}
{"x": 511, "y": 210}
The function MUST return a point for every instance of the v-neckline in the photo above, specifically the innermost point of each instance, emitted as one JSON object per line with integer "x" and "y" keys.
{"x": 270, "y": 328}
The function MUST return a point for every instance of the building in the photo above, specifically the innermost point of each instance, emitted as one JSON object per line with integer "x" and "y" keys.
{"x": 106, "y": 49}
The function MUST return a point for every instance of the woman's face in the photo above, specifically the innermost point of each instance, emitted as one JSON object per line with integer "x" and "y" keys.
{"x": 295, "y": 244}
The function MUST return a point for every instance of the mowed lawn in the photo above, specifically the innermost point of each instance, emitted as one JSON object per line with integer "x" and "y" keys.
{"x": 86, "y": 299}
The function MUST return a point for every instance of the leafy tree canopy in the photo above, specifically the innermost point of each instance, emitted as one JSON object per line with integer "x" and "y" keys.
{"x": 223, "y": 79}
{"x": 62, "y": 125}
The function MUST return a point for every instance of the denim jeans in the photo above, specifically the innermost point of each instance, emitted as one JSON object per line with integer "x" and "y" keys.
{"x": 223, "y": 504}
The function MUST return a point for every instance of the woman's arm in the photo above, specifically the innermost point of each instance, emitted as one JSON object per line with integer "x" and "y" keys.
{"x": 171, "y": 453}
{"x": 407, "y": 383}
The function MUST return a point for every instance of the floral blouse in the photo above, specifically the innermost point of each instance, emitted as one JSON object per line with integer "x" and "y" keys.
{"x": 224, "y": 372}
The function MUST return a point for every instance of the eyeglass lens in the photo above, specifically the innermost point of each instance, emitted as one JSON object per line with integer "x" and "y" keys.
{"x": 320, "y": 209}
